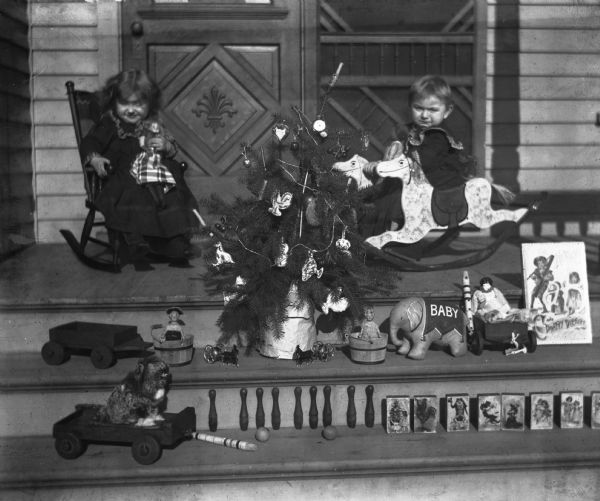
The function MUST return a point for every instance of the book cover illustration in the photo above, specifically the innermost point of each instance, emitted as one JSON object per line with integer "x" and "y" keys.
{"x": 542, "y": 411}
{"x": 556, "y": 292}
{"x": 457, "y": 412}
{"x": 571, "y": 413}
{"x": 426, "y": 414}
{"x": 513, "y": 412}
{"x": 398, "y": 414}
{"x": 490, "y": 409}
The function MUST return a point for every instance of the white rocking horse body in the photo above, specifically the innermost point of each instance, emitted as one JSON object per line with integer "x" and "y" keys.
{"x": 417, "y": 197}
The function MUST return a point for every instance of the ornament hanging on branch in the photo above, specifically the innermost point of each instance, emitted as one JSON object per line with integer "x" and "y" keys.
{"x": 284, "y": 252}
{"x": 339, "y": 151}
{"x": 320, "y": 127}
{"x": 222, "y": 257}
{"x": 335, "y": 301}
{"x": 280, "y": 202}
{"x": 281, "y": 130}
{"x": 310, "y": 268}
{"x": 246, "y": 160}
{"x": 343, "y": 245}
{"x": 295, "y": 144}
{"x": 365, "y": 140}
{"x": 310, "y": 210}
{"x": 239, "y": 285}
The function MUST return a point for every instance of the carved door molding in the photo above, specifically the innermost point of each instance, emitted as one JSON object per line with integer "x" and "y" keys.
{"x": 224, "y": 70}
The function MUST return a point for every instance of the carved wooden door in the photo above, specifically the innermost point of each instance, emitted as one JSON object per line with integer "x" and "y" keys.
{"x": 224, "y": 69}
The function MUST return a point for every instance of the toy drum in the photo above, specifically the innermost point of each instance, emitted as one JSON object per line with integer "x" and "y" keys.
{"x": 367, "y": 352}
{"x": 177, "y": 352}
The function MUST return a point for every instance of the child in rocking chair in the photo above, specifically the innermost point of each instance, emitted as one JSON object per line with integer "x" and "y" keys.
{"x": 427, "y": 142}
{"x": 145, "y": 197}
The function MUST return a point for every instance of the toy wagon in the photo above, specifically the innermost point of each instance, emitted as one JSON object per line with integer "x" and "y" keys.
{"x": 102, "y": 341}
{"x": 73, "y": 433}
{"x": 499, "y": 335}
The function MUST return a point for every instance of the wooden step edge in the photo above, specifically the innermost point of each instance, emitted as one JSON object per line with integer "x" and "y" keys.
{"x": 27, "y": 372}
{"x": 300, "y": 454}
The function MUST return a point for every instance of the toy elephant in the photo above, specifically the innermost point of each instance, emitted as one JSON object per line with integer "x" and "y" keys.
{"x": 416, "y": 323}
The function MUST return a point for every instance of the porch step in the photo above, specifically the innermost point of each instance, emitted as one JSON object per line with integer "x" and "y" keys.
{"x": 46, "y": 394}
{"x": 301, "y": 454}
{"x": 45, "y": 286}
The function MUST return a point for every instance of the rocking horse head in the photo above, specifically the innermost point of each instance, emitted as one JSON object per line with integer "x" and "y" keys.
{"x": 395, "y": 164}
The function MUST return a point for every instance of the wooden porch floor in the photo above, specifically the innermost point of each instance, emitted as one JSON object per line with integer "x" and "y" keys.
{"x": 49, "y": 275}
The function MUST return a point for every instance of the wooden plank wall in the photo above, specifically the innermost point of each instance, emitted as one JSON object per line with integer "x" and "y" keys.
{"x": 16, "y": 190}
{"x": 543, "y": 86}
{"x": 67, "y": 39}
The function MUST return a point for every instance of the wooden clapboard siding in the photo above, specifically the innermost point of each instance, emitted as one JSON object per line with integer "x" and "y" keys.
{"x": 58, "y": 160}
{"x": 547, "y": 111}
{"x": 537, "y": 88}
{"x": 543, "y": 85}
{"x": 578, "y": 41}
{"x": 16, "y": 172}
{"x": 64, "y": 40}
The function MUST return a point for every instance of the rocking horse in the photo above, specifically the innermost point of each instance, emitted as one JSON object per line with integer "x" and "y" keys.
{"x": 425, "y": 209}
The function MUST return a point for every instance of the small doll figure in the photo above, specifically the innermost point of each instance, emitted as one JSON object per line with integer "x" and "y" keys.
{"x": 148, "y": 168}
{"x": 489, "y": 303}
{"x": 174, "y": 329}
{"x": 369, "y": 329}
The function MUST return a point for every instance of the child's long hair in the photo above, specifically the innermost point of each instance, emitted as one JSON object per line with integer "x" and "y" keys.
{"x": 123, "y": 85}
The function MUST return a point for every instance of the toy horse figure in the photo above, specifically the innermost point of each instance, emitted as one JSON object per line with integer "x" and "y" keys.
{"x": 419, "y": 204}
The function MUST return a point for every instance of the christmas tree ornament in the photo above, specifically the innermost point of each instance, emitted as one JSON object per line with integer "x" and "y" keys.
{"x": 365, "y": 140}
{"x": 281, "y": 131}
{"x": 295, "y": 144}
{"x": 335, "y": 301}
{"x": 343, "y": 245}
{"x": 311, "y": 211}
{"x": 280, "y": 202}
{"x": 339, "y": 151}
{"x": 238, "y": 286}
{"x": 222, "y": 257}
{"x": 310, "y": 268}
{"x": 284, "y": 252}
{"x": 319, "y": 125}
{"x": 247, "y": 161}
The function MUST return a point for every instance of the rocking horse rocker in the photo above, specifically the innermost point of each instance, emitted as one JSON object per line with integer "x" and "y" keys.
{"x": 426, "y": 209}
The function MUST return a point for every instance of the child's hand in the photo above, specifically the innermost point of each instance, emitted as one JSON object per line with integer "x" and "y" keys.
{"x": 157, "y": 143}
{"x": 100, "y": 165}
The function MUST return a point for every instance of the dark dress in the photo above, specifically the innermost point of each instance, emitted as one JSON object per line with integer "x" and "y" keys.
{"x": 128, "y": 207}
{"x": 443, "y": 162}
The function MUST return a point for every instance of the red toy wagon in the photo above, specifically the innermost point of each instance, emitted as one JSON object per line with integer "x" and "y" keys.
{"x": 101, "y": 341}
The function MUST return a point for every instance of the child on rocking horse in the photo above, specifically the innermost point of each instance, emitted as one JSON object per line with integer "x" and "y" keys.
{"x": 427, "y": 142}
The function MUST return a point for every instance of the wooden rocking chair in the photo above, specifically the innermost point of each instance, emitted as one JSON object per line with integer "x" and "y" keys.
{"x": 85, "y": 112}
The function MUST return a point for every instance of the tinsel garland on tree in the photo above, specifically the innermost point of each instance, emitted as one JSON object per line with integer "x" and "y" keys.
{"x": 300, "y": 230}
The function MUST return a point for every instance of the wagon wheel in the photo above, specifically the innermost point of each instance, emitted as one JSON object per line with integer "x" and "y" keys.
{"x": 54, "y": 353}
{"x": 532, "y": 341}
{"x": 146, "y": 450}
{"x": 476, "y": 342}
{"x": 103, "y": 357}
{"x": 209, "y": 354}
{"x": 69, "y": 446}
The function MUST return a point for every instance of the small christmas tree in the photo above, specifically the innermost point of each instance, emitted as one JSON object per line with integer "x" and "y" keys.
{"x": 295, "y": 244}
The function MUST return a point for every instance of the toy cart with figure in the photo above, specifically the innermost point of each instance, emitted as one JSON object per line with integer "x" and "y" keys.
{"x": 513, "y": 337}
{"x": 73, "y": 433}
{"x": 101, "y": 341}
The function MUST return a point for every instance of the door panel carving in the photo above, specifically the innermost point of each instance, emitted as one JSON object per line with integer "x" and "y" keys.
{"x": 224, "y": 71}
